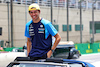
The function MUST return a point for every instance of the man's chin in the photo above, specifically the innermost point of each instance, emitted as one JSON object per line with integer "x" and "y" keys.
{"x": 34, "y": 19}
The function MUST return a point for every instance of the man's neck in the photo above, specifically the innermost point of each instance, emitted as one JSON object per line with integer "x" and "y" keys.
{"x": 36, "y": 21}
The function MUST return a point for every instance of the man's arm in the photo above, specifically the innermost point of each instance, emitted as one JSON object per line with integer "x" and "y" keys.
{"x": 28, "y": 46}
{"x": 57, "y": 40}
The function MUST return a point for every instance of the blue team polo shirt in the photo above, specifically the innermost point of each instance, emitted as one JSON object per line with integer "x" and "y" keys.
{"x": 41, "y": 36}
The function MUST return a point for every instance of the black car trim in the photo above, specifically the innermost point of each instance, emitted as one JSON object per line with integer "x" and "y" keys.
{"x": 34, "y": 62}
{"x": 56, "y": 60}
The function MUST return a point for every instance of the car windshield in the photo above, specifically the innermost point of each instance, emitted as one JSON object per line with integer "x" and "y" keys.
{"x": 75, "y": 65}
{"x": 35, "y": 65}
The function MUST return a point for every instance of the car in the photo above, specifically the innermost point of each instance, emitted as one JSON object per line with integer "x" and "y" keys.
{"x": 49, "y": 62}
{"x": 6, "y": 57}
{"x": 17, "y": 50}
{"x": 67, "y": 50}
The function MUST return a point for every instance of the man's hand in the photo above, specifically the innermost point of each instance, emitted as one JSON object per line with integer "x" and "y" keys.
{"x": 49, "y": 54}
{"x": 57, "y": 40}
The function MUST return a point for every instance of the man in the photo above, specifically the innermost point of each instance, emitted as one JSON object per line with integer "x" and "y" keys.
{"x": 39, "y": 34}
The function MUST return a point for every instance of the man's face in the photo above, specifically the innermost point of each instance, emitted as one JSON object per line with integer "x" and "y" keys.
{"x": 34, "y": 14}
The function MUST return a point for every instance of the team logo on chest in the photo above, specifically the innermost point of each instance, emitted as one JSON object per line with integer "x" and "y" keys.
{"x": 41, "y": 26}
{"x": 41, "y": 29}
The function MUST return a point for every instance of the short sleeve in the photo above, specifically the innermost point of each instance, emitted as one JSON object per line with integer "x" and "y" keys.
{"x": 27, "y": 31}
{"x": 51, "y": 29}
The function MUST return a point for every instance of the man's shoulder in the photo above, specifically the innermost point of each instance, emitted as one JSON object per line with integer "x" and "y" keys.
{"x": 44, "y": 21}
{"x": 28, "y": 23}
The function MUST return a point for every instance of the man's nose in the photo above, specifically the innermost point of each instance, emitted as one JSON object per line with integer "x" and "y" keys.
{"x": 33, "y": 13}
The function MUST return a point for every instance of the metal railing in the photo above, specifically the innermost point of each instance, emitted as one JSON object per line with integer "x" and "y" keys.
{"x": 57, "y": 3}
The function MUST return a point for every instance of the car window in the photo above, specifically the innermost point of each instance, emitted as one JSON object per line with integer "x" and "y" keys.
{"x": 36, "y": 65}
{"x": 75, "y": 65}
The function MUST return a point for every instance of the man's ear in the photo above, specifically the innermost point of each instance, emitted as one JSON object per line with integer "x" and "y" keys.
{"x": 29, "y": 12}
{"x": 39, "y": 11}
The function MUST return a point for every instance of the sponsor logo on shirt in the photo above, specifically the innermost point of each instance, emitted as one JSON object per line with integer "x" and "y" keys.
{"x": 41, "y": 29}
{"x": 31, "y": 30}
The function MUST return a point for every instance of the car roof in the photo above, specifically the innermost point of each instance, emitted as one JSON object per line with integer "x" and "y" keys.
{"x": 64, "y": 46}
{"x": 66, "y": 42}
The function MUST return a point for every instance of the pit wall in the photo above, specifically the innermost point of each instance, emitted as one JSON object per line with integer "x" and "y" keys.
{"x": 86, "y": 48}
